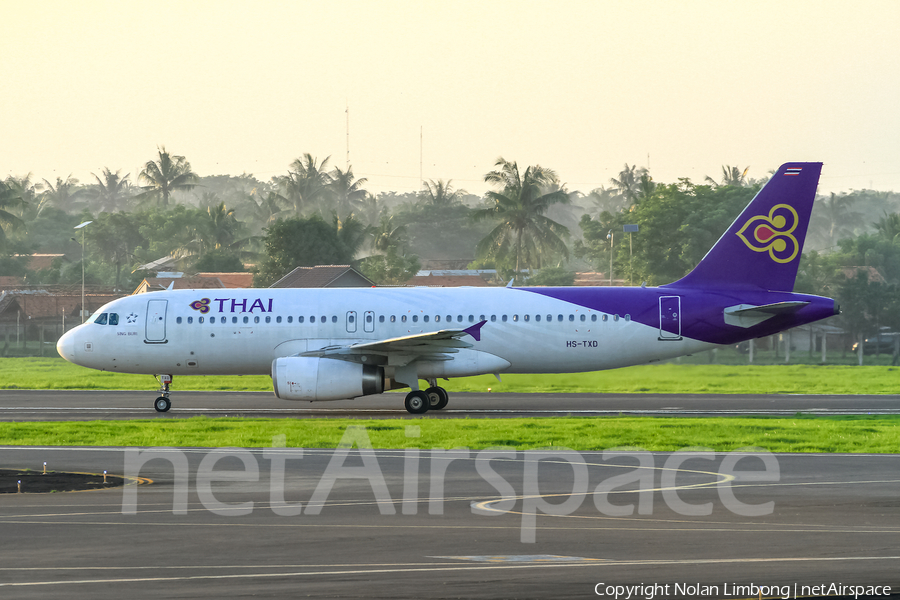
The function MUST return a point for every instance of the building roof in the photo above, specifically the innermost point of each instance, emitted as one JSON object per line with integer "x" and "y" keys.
{"x": 324, "y": 276}
{"x": 10, "y": 281}
{"x": 160, "y": 264}
{"x": 448, "y": 281}
{"x": 232, "y": 280}
{"x": 873, "y": 274}
{"x": 155, "y": 284}
{"x": 51, "y": 302}
{"x": 36, "y": 262}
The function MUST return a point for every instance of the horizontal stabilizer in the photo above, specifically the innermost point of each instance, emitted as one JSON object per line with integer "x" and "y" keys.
{"x": 748, "y": 315}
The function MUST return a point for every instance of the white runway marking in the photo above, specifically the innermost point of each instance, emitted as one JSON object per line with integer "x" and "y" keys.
{"x": 443, "y": 567}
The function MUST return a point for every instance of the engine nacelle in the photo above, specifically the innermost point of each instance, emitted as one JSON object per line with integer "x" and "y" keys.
{"x": 310, "y": 378}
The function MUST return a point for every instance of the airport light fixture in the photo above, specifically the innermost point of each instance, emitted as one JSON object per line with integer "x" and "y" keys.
{"x": 81, "y": 227}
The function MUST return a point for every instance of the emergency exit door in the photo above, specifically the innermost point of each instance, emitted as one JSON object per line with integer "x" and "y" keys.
{"x": 670, "y": 317}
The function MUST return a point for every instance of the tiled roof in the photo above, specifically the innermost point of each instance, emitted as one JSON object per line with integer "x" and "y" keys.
{"x": 448, "y": 280}
{"x": 232, "y": 280}
{"x": 323, "y": 276}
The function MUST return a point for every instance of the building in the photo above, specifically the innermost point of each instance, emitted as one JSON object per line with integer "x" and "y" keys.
{"x": 324, "y": 276}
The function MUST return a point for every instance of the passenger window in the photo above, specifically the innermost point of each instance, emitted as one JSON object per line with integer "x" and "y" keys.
{"x": 584, "y": 317}
{"x": 277, "y": 319}
{"x": 537, "y": 318}
{"x": 481, "y": 318}
{"x": 246, "y": 319}
{"x": 101, "y": 320}
{"x": 212, "y": 319}
{"x": 415, "y": 318}
{"x": 493, "y": 318}
{"x": 459, "y": 318}
{"x": 256, "y": 319}
{"x": 368, "y": 318}
{"x": 571, "y": 317}
{"x": 393, "y": 318}
{"x": 437, "y": 318}
{"x": 350, "y": 318}
{"x": 527, "y": 317}
{"x": 549, "y": 318}
{"x": 191, "y": 320}
{"x": 471, "y": 318}
{"x": 559, "y": 318}
{"x": 627, "y": 317}
{"x": 425, "y": 318}
{"x": 333, "y": 319}
{"x": 515, "y": 318}
{"x": 381, "y": 318}
{"x": 300, "y": 319}
{"x": 605, "y": 317}
{"x": 312, "y": 319}
{"x": 503, "y": 318}
{"x": 178, "y": 320}
{"x": 403, "y": 318}
{"x": 113, "y": 318}
{"x": 199, "y": 319}
{"x": 234, "y": 319}
{"x": 594, "y": 318}
{"x": 615, "y": 317}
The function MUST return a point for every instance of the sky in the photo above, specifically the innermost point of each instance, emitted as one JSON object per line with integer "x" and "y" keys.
{"x": 444, "y": 88}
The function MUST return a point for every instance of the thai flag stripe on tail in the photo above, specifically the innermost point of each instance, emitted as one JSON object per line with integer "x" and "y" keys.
{"x": 793, "y": 171}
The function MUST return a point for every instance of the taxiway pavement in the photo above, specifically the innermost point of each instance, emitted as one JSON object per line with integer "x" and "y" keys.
{"x": 39, "y": 405}
{"x": 419, "y": 525}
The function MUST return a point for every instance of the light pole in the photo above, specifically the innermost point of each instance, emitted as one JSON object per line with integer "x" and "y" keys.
{"x": 610, "y": 237}
{"x": 630, "y": 229}
{"x": 81, "y": 227}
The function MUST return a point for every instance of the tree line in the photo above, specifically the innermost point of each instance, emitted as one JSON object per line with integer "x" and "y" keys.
{"x": 529, "y": 227}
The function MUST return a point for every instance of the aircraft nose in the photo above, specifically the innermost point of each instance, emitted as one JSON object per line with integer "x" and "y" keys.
{"x": 66, "y": 346}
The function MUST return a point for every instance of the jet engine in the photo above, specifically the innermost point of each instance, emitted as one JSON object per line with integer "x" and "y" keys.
{"x": 312, "y": 378}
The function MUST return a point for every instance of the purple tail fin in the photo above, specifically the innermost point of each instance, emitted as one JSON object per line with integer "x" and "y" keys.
{"x": 762, "y": 247}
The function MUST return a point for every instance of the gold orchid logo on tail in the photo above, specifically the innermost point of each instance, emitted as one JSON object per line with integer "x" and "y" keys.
{"x": 772, "y": 233}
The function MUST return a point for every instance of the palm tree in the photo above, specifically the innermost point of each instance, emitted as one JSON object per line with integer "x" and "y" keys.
{"x": 633, "y": 183}
{"x": 835, "y": 216}
{"x": 168, "y": 174}
{"x": 306, "y": 182}
{"x": 730, "y": 176}
{"x": 888, "y": 227}
{"x": 109, "y": 194}
{"x": 388, "y": 236}
{"x": 351, "y": 233}
{"x": 348, "y": 194}
{"x": 440, "y": 193}
{"x": 31, "y": 203}
{"x": 10, "y": 198}
{"x": 63, "y": 195}
{"x": 268, "y": 208}
{"x": 524, "y": 231}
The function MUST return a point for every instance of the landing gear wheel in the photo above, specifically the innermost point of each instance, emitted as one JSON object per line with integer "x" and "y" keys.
{"x": 438, "y": 397}
{"x": 162, "y": 404}
{"x": 417, "y": 402}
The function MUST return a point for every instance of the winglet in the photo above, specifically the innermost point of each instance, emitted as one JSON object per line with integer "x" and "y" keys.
{"x": 475, "y": 330}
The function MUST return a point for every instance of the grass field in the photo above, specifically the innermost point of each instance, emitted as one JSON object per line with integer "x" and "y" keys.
{"x": 796, "y": 434}
{"x": 55, "y": 373}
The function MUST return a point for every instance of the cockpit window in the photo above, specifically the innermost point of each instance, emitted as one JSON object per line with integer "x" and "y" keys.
{"x": 113, "y": 318}
{"x": 101, "y": 320}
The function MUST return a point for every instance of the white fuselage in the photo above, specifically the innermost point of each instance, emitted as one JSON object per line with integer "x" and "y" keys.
{"x": 241, "y": 331}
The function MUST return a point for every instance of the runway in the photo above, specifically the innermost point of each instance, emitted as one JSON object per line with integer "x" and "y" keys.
{"x": 38, "y": 405}
{"x": 410, "y": 524}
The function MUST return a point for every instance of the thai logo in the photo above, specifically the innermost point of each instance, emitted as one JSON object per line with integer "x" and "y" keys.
{"x": 773, "y": 233}
{"x": 201, "y": 305}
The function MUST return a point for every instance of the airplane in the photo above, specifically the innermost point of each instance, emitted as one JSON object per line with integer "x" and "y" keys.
{"x": 331, "y": 344}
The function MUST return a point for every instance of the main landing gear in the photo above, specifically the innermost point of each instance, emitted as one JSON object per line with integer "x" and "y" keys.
{"x": 163, "y": 404}
{"x": 434, "y": 398}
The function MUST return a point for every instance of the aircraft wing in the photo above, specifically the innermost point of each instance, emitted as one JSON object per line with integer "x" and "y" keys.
{"x": 399, "y": 351}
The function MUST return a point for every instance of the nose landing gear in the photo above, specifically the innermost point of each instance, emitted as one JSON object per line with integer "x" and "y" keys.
{"x": 163, "y": 404}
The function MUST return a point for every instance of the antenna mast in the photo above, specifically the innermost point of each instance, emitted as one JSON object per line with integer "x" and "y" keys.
{"x": 347, "y": 165}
